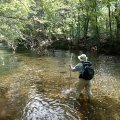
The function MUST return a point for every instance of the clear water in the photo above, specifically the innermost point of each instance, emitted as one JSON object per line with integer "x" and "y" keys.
{"x": 42, "y": 88}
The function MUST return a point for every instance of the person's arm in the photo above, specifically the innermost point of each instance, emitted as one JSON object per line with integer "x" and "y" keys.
{"x": 78, "y": 67}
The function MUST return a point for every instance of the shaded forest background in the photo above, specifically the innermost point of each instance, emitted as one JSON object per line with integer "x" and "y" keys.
{"x": 61, "y": 24}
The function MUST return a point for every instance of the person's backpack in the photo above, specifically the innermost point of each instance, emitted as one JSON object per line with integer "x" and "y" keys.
{"x": 88, "y": 72}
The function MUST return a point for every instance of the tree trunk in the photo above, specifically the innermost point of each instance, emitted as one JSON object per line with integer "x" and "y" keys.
{"x": 110, "y": 25}
{"x": 97, "y": 36}
{"x": 86, "y": 29}
{"x": 117, "y": 17}
{"x": 118, "y": 29}
{"x": 78, "y": 29}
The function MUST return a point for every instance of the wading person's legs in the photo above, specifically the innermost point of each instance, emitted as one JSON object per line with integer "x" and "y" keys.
{"x": 88, "y": 88}
{"x": 80, "y": 86}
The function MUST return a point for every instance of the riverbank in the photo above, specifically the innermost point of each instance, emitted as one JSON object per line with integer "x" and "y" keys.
{"x": 105, "y": 47}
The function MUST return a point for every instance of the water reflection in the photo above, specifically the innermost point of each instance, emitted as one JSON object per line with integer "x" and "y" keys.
{"x": 40, "y": 107}
{"x": 8, "y": 62}
{"x": 33, "y": 87}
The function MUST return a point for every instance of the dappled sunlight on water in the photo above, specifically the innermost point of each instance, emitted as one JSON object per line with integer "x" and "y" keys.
{"x": 41, "y": 106}
{"x": 42, "y": 88}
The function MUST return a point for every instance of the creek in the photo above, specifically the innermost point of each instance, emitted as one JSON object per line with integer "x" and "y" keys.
{"x": 42, "y": 88}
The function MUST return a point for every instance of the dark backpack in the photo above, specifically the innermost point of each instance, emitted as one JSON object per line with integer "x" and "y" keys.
{"x": 88, "y": 72}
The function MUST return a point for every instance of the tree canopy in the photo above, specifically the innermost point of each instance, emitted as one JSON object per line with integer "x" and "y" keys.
{"x": 35, "y": 21}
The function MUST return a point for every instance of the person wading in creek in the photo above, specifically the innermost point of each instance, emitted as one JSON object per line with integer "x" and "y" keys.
{"x": 86, "y": 73}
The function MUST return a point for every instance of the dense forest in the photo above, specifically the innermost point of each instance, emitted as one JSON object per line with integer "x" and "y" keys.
{"x": 37, "y": 24}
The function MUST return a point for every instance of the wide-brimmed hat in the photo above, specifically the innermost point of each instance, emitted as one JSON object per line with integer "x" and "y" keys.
{"x": 83, "y": 57}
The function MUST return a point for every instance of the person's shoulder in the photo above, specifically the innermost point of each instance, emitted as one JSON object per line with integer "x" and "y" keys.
{"x": 79, "y": 64}
{"x": 87, "y": 63}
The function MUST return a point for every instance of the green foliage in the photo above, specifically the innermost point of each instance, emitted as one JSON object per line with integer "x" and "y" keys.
{"x": 54, "y": 19}
{"x": 13, "y": 17}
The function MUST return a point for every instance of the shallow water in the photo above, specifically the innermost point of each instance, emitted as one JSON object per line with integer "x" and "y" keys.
{"x": 42, "y": 88}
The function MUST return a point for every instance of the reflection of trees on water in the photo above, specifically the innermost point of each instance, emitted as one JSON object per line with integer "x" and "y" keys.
{"x": 7, "y": 62}
{"x": 3, "y": 63}
{"x": 36, "y": 98}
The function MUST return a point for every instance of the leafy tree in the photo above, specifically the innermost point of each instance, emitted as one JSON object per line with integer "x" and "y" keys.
{"x": 37, "y": 22}
{"x": 13, "y": 17}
